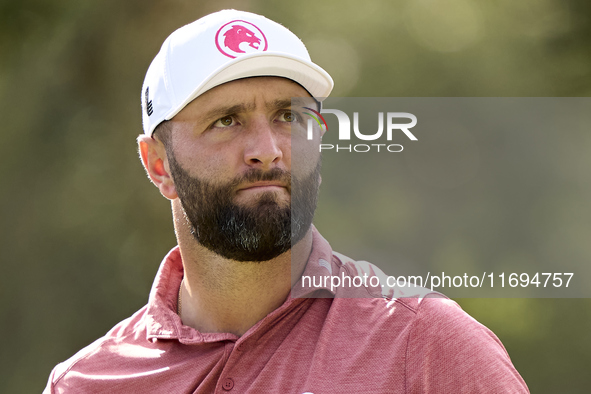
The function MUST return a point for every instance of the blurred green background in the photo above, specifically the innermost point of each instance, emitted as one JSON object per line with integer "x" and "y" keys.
{"x": 82, "y": 231}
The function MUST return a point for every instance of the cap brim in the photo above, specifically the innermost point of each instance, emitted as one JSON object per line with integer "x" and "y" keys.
{"x": 312, "y": 77}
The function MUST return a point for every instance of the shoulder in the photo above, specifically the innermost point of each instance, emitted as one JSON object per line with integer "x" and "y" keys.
{"x": 442, "y": 322}
{"x": 98, "y": 356}
{"x": 449, "y": 349}
{"x": 446, "y": 348}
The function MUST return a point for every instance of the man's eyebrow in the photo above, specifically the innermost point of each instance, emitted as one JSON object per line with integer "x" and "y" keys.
{"x": 293, "y": 101}
{"x": 303, "y": 101}
{"x": 278, "y": 104}
{"x": 229, "y": 110}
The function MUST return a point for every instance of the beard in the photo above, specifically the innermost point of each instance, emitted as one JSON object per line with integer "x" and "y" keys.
{"x": 260, "y": 231}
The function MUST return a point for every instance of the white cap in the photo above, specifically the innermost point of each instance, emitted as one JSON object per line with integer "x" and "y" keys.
{"x": 222, "y": 47}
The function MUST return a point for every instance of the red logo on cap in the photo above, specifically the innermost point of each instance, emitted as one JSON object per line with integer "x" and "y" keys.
{"x": 240, "y": 37}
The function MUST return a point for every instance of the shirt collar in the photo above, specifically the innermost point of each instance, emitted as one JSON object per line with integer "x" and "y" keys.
{"x": 321, "y": 263}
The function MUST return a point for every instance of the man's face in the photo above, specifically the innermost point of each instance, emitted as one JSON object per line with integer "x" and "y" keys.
{"x": 230, "y": 158}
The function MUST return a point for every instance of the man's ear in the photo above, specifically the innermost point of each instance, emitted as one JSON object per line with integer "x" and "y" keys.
{"x": 153, "y": 155}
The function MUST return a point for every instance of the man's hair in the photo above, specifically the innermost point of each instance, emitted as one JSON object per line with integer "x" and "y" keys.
{"x": 163, "y": 133}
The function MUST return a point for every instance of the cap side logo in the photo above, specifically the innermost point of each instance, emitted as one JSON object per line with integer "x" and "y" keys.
{"x": 149, "y": 108}
{"x": 238, "y": 37}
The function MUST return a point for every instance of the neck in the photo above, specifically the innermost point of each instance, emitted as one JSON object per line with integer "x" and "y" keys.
{"x": 221, "y": 295}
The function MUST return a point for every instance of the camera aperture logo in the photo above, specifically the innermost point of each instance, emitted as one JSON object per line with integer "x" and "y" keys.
{"x": 392, "y": 126}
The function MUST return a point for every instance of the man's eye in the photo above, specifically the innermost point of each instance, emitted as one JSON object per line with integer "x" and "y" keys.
{"x": 288, "y": 116}
{"x": 224, "y": 122}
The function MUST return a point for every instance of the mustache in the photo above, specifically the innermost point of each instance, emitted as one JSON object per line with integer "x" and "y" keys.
{"x": 257, "y": 175}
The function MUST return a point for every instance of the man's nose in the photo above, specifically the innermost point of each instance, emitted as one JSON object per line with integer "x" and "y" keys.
{"x": 262, "y": 147}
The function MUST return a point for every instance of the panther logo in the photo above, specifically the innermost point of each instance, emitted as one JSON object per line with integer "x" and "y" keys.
{"x": 240, "y": 37}
{"x": 237, "y": 35}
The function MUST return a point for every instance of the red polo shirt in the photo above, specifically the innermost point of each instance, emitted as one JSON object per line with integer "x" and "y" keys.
{"x": 423, "y": 344}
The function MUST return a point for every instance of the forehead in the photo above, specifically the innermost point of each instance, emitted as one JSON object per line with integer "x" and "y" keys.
{"x": 248, "y": 94}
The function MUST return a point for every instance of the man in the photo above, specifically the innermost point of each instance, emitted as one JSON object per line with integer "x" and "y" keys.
{"x": 228, "y": 311}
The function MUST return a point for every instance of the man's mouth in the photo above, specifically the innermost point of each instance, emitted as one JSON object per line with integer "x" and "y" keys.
{"x": 264, "y": 186}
